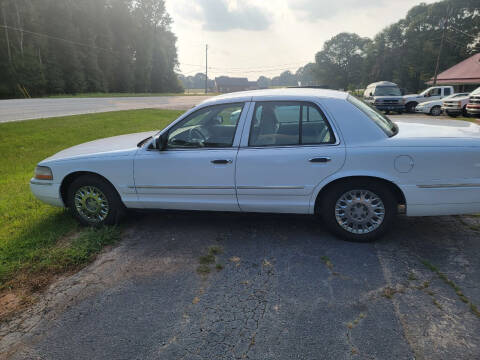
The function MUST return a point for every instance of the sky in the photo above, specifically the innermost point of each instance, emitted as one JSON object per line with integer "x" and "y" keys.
{"x": 249, "y": 38}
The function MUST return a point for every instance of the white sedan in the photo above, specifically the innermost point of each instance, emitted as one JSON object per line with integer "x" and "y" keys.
{"x": 434, "y": 107}
{"x": 304, "y": 151}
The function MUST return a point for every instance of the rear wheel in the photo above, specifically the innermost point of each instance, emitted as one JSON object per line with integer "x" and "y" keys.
{"x": 436, "y": 111}
{"x": 94, "y": 202}
{"x": 358, "y": 211}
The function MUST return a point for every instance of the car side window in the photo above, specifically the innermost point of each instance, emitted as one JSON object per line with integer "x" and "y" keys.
{"x": 446, "y": 91}
{"x": 289, "y": 123}
{"x": 210, "y": 127}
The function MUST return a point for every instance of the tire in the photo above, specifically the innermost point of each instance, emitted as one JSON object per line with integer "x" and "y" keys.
{"x": 410, "y": 107}
{"x": 464, "y": 111}
{"x": 436, "y": 111}
{"x": 330, "y": 203}
{"x": 400, "y": 112}
{"x": 387, "y": 112}
{"x": 94, "y": 202}
{"x": 452, "y": 115}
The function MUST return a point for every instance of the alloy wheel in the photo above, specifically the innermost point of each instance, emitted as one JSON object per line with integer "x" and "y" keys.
{"x": 91, "y": 204}
{"x": 359, "y": 211}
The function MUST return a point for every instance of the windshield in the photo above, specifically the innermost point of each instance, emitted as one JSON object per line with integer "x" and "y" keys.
{"x": 383, "y": 122}
{"x": 387, "y": 91}
{"x": 476, "y": 91}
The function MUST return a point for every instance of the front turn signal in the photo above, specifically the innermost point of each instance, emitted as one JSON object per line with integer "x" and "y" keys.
{"x": 43, "y": 173}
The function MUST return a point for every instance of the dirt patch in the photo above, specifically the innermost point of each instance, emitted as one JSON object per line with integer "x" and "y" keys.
{"x": 8, "y": 303}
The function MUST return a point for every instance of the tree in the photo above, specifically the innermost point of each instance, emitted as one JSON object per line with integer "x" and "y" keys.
{"x": 263, "y": 82}
{"x": 342, "y": 61}
{"x": 54, "y": 47}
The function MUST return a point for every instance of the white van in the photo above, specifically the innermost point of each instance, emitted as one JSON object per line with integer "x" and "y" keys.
{"x": 385, "y": 96}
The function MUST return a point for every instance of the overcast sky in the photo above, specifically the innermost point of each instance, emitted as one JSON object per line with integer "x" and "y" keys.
{"x": 265, "y": 37}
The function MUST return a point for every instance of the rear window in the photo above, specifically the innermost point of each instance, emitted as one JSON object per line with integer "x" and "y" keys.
{"x": 383, "y": 122}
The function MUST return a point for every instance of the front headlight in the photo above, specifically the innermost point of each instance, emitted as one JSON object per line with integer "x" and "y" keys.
{"x": 43, "y": 173}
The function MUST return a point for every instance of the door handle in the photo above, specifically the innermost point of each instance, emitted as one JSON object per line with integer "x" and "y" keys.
{"x": 221, "y": 161}
{"x": 320, "y": 160}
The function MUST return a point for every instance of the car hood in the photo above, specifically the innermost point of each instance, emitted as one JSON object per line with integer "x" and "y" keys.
{"x": 428, "y": 132}
{"x": 116, "y": 145}
{"x": 412, "y": 96}
{"x": 457, "y": 98}
{"x": 431, "y": 102}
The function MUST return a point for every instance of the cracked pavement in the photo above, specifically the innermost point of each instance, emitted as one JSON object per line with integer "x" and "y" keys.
{"x": 287, "y": 290}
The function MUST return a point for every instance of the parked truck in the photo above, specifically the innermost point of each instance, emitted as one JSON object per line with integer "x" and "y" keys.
{"x": 454, "y": 107}
{"x": 385, "y": 96}
{"x": 432, "y": 93}
{"x": 473, "y": 106}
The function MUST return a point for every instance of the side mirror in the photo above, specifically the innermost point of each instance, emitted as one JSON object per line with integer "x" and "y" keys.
{"x": 161, "y": 142}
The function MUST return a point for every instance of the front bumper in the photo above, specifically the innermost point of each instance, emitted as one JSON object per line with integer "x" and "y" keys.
{"x": 473, "y": 109}
{"x": 383, "y": 107}
{"x": 47, "y": 192}
{"x": 451, "y": 110}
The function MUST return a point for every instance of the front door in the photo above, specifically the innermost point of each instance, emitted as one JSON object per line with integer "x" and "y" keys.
{"x": 196, "y": 171}
{"x": 291, "y": 148}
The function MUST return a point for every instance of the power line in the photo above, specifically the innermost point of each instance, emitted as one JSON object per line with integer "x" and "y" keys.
{"x": 464, "y": 33}
{"x": 55, "y": 38}
{"x": 273, "y": 67}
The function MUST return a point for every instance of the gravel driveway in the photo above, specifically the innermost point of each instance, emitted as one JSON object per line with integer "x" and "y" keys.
{"x": 287, "y": 290}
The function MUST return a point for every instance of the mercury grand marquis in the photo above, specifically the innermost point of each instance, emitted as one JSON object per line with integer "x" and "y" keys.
{"x": 302, "y": 151}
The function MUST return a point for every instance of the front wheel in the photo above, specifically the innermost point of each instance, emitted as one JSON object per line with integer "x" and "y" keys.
{"x": 94, "y": 202}
{"x": 410, "y": 107}
{"x": 358, "y": 211}
{"x": 436, "y": 111}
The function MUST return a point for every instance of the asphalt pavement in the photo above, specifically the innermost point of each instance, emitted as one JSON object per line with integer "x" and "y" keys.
{"x": 286, "y": 289}
{"x": 23, "y": 109}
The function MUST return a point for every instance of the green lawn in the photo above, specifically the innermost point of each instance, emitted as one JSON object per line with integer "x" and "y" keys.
{"x": 29, "y": 229}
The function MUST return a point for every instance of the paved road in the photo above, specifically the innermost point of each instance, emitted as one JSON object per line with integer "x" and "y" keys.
{"x": 288, "y": 290}
{"x": 23, "y": 109}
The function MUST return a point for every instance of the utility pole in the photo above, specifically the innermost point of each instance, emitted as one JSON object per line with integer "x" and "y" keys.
{"x": 445, "y": 23}
{"x": 206, "y": 68}
{"x": 6, "y": 34}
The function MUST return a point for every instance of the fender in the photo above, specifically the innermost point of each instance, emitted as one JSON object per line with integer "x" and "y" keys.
{"x": 344, "y": 174}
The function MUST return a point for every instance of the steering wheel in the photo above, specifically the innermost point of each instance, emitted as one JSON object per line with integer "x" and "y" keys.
{"x": 196, "y": 136}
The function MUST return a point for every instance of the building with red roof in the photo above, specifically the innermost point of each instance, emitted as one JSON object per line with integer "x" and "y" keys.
{"x": 464, "y": 73}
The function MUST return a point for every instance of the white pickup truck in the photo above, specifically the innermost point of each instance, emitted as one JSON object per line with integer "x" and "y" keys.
{"x": 456, "y": 106}
{"x": 432, "y": 93}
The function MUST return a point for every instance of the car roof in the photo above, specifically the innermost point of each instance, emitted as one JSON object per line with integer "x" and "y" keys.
{"x": 382, "y": 83}
{"x": 277, "y": 94}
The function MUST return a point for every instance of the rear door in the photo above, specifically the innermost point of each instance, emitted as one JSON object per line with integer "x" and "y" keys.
{"x": 287, "y": 149}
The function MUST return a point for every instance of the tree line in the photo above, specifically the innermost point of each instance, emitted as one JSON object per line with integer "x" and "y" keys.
{"x": 405, "y": 52}
{"x": 68, "y": 47}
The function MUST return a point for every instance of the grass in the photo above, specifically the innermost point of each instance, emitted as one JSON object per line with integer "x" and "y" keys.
{"x": 208, "y": 259}
{"x": 452, "y": 284}
{"x": 30, "y": 230}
